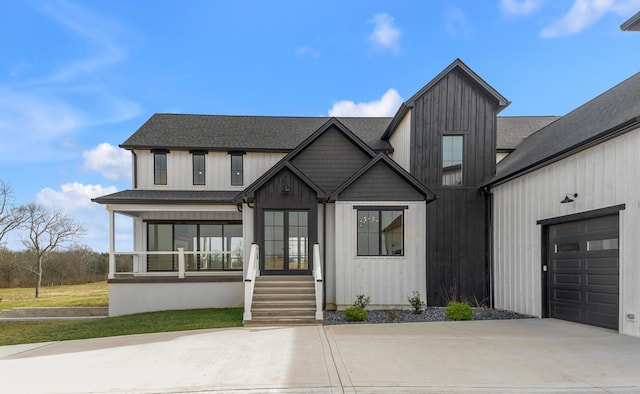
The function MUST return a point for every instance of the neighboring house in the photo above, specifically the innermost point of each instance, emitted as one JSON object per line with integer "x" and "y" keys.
{"x": 566, "y": 216}
{"x": 291, "y": 215}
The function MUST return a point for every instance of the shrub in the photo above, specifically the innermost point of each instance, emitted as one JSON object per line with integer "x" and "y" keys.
{"x": 458, "y": 311}
{"x": 417, "y": 303}
{"x": 362, "y": 301}
{"x": 355, "y": 313}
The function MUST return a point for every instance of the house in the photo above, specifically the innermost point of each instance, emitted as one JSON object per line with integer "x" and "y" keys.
{"x": 289, "y": 216}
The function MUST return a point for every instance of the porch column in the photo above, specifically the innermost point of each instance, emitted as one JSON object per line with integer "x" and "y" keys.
{"x": 112, "y": 245}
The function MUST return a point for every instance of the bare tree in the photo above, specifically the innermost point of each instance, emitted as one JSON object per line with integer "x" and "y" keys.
{"x": 47, "y": 230}
{"x": 11, "y": 217}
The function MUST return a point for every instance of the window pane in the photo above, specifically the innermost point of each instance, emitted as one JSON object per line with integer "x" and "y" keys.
{"x": 567, "y": 247}
{"x": 452, "y": 153}
{"x": 602, "y": 244}
{"x": 380, "y": 233}
{"x": 368, "y": 237}
{"x": 211, "y": 246}
{"x": 159, "y": 239}
{"x": 185, "y": 236}
{"x": 198, "y": 169}
{"x": 392, "y": 231}
{"x": 236, "y": 170}
{"x": 160, "y": 168}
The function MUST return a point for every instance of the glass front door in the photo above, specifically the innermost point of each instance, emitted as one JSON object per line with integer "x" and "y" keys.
{"x": 286, "y": 242}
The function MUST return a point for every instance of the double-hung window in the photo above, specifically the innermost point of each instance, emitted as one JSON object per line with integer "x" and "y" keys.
{"x": 380, "y": 231}
{"x": 160, "y": 168}
{"x": 198, "y": 168}
{"x": 237, "y": 177}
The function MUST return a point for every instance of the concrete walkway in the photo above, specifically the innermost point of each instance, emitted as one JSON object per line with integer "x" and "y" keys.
{"x": 529, "y": 355}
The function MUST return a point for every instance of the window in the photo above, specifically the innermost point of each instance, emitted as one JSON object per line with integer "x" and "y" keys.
{"x": 208, "y": 246}
{"x": 236, "y": 169}
{"x": 198, "y": 169}
{"x": 160, "y": 168}
{"x": 452, "y": 149}
{"x": 380, "y": 232}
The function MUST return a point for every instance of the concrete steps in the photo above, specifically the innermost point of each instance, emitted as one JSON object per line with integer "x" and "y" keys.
{"x": 283, "y": 300}
{"x": 54, "y": 313}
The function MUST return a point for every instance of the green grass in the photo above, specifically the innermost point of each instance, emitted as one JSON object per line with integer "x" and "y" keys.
{"x": 90, "y": 294}
{"x": 12, "y": 333}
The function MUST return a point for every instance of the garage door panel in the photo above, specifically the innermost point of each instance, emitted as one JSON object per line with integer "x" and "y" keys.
{"x": 583, "y": 276}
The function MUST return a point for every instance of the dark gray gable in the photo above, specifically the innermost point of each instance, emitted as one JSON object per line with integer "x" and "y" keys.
{"x": 382, "y": 180}
{"x": 457, "y": 64}
{"x": 614, "y": 111}
{"x": 331, "y": 157}
{"x": 249, "y": 193}
{"x": 286, "y": 190}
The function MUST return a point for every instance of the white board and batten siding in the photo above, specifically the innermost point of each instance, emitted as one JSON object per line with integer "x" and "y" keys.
{"x": 217, "y": 170}
{"x": 401, "y": 142}
{"x": 605, "y": 175}
{"x": 388, "y": 280}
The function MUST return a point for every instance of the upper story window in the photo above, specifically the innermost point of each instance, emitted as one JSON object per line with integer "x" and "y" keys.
{"x": 237, "y": 176}
{"x": 198, "y": 168}
{"x": 381, "y": 232}
{"x": 160, "y": 168}
{"x": 452, "y": 153}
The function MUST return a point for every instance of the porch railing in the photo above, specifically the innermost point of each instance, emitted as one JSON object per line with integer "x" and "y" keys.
{"x": 253, "y": 271}
{"x": 179, "y": 263}
{"x": 317, "y": 276}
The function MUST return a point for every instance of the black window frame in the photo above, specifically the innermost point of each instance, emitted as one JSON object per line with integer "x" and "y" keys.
{"x": 160, "y": 175}
{"x": 237, "y": 174}
{"x": 203, "y": 176}
{"x": 380, "y": 210}
{"x": 442, "y": 161}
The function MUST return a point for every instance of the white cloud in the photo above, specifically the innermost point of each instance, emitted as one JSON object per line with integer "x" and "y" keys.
{"x": 75, "y": 200}
{"x": 456, "y": 23}
{"x": 307, "y": 51}
{"x": 387, "y": 105}
{"x": 519, "y": 7}
{"x": 44, "y": 112}
{"x": 112, "y": 162}
{"x": 585, "y": 13}
{"x": 385, "y": 35}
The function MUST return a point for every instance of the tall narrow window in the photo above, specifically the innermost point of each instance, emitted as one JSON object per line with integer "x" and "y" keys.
{"x": 236, "y": 169}
{"x": 452, "y": 152}
{"x": 198, "y": 169}
{"x": 160, "y": 168}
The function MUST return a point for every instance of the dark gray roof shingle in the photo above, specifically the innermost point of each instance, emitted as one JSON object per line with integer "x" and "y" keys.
{"x": 247, "y": 133}
{"x": 168, "y": 197}
{"x": 606, "y": 114}
{"x": 512, "y": 130}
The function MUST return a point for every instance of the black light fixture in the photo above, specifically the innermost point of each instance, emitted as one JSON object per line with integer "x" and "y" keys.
{"x": 285, "y": 188}
{"x": 569, "y": 198}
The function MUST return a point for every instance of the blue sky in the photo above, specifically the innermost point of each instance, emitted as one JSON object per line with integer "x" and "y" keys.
{"x": 77, "y": 78}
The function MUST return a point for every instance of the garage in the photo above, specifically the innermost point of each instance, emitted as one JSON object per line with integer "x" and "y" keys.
{"x": 582, "y": 271}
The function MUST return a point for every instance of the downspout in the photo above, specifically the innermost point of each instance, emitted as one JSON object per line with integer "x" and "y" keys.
{"x": 135, "y": 169}
{"x": 489, "y": 246}
{"x": 324, "y": 254}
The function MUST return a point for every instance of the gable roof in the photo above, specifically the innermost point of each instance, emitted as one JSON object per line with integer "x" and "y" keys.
{"x": 244, "y": 133}
{"x": 456, "y": 65}
{"x": 512, "y": 130}
{"x": 381, "y": 157}
{"x": 613, "y": 112}
{"x": 632, "y": 24}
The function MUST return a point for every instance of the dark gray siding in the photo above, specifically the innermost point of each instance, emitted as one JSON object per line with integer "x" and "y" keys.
{"x": 381, "y": 183}
{"x": 330, "y": 160}
{"x": 457, "y": 226}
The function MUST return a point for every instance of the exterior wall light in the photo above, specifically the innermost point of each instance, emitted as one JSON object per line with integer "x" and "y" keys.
{"x": 569, "y": 198}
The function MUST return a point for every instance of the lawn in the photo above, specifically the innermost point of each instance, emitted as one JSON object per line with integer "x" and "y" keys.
{"x": 17, "y": 332}
{"x": 97, "y": 294}
{"x": 90, "y": 294}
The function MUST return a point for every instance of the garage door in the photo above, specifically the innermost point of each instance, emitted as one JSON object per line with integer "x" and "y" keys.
{"x": 583, "y": 271}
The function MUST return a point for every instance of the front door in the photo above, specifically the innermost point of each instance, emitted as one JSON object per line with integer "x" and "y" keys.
{"x": 286, "y": 243}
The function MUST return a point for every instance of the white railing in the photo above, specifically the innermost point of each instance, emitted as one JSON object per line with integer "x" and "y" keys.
{"x": 253, "y": 271}
{"x": 180, "y": 262}
{"x": 317, "y": 276}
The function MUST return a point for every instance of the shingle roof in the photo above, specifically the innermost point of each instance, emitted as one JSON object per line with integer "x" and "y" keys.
{"x": 513, "y": 129}
{"x": 632, "y": 24}
{"x": 168, "y": 197}
{"x": 247, "y": 133}
{"x": 613, "y": 111}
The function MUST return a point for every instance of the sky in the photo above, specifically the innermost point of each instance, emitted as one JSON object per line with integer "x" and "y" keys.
{"x": 77, "y": 78}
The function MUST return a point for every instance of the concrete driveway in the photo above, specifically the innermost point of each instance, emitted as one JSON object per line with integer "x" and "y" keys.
{"x": 529, "y": 355}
